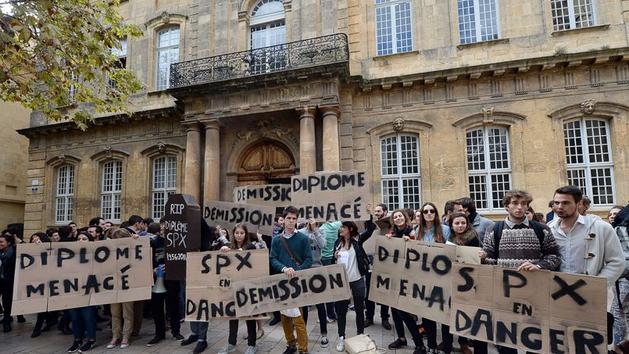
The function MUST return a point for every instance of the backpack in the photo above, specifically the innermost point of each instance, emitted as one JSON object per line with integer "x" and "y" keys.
{"x": 500, "y": 225}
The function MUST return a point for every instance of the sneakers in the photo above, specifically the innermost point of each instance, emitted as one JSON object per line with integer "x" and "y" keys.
{"x": 398, "y": 343}
{"x": 324, "y": 342}
{"x": 114, "y": 343}
{"x": 250, "y": 350}
{"x": 331, "y": 320}
{"x": 274, "y": 321}
{"x": 229, "y": 348}
{"x": 340, "y": 345}
{"x": 154, "y": 341}
{"x": 419, "y": 350}
{"x": 193, "y": 338}
{"x": 386, "y": 324}
{"x": 290, "y": 350}
{"x": 177, "y": 336}
{"x": 75, "y": 346}
{"x": 87, "y": 346}
{"x": 200, "y": 347}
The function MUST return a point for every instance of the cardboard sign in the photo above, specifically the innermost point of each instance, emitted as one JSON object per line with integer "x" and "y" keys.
{"x": 183, "y": 233}
{"x": 209, "y": 277}
{"x": 413, "y": 276}
{"x": 256, "y": 217}
{"x": 64, "y": 275}
{"x": 331, "y": 196}
{"x": 278, "y": 292}
{"x": 541, "y": 311}
{"x": 267, "y": 194}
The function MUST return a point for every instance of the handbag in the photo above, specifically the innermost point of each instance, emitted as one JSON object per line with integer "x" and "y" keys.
{"x": 361, "y": 344}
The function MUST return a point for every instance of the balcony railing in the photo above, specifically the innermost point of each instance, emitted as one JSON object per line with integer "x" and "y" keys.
{"x": 307, "y": 53}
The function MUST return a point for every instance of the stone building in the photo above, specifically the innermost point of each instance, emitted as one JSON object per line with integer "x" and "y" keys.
{"x": 434, "y": 99}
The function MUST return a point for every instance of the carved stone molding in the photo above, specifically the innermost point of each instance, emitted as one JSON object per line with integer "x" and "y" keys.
{"x": 398, "y": 125}
{"x": 588, "y": 106}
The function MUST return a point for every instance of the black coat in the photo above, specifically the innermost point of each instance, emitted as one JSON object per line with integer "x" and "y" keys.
{"x": 7, "y": 267}
{"x": 361, "y": 256}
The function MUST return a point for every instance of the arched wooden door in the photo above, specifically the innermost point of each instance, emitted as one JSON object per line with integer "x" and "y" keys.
{"x": 266, "y": 162}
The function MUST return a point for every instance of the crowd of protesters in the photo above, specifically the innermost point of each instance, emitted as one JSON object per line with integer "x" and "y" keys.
{"x": 525, "y": 240}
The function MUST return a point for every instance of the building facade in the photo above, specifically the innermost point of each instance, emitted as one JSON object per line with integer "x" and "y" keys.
{"x": 434, "y": 99}
{"x": 13, "y": 157}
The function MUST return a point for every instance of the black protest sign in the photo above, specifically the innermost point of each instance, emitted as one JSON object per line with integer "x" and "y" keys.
{"x": 332, "y": 196}
{"x": 226, "y": 214}
{"x": 540, "y": 311}
{"x": 278, "y": 292}
{"x": 268, "y": 194}
{"x": 57, "y": 276}
{"x": 183, "y": 233}
{"x": 209, "y": 278}
{"x": 413, "y": 276}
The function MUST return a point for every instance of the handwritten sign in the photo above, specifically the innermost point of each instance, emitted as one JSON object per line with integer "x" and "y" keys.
{"x": 58, "y": 276}
{"x": 226, "y": 214}
{"x": 331, "y": 196}
{"x": 269, "y": 194}
{"x": 183, "y": 233}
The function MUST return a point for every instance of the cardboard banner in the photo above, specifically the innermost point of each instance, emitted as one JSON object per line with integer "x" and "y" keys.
{"x": 64, "y": 275}
{"x": 278, "y": 292}
{"x": 267, "y": 194}
{"x": 183, "y": 233}
{"x": 209, "y": 278}
{"x": 332, "y": 196}
{"x": 414, "y": 277}
{"x": 256, "y": 217}
{"x": 541, "y": 311}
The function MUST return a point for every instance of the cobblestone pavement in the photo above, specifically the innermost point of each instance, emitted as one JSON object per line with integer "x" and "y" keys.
{"x": 19, "y": 340}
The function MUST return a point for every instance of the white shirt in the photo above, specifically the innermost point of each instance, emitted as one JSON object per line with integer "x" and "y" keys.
{"x": 572, "y": 246}
{"x": 348, "y": 259}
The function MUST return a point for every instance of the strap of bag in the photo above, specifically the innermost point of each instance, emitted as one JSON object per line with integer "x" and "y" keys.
{"x": 498, "y": 227}
{"x": 290, "y": 253}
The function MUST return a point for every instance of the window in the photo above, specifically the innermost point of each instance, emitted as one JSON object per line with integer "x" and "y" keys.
{"x": 400, "y": 171}
{"x": 589, "y": 160}
{"x": 571, "y": 14}
{"x": 164, "y": 183}
{"x": 111, "y": 189}
{"x": 167, "y": 53}
{"x": 478, "y": 20}
{"x": 121, "y": 63}
{"x": 267, "y": 29}
{"x": 488, "y": 166}
{"x": 64, "y": 193}
{"x": 393, "y": 27}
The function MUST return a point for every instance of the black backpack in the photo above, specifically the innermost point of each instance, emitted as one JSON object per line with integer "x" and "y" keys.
{"x": 500, "y": 225}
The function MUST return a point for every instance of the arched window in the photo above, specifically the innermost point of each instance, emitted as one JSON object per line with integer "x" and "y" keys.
{"x": 400, "y": 171}
{"x": 64, "y": 194}
{"x": 111, "y": 190}
{"x": 164, "y": 183}
{"x": 589, "y": 161}
{"x": 268, "y": 28}
{"x": 167, "y": 53}
{"x": 488, "y": 165}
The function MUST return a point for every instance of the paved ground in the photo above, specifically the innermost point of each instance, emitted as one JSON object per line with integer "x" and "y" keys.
{"x": 19, "y": 340}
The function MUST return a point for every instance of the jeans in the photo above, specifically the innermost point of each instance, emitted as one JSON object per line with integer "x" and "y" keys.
{"x": 358, "y": 294}
{"x": 323, "y": 321}
{"x": 84, "y": 322}
{"x": 199, "y": 329}
{"x": 431, "y": 332}
{"x": 291, "y": 324}
{"x": 329, "y": 306}
{"x": 620, "y": 308}
{"x": 6, "y": 291}
{"x": 370, "y": 306}
{"x": 251, "y": 332}
{"x": 171, "y": 299}
{"x": 401, "y": 318}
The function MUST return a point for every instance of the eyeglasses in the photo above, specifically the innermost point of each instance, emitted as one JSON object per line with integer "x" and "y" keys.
{"x": 428, "y": 211}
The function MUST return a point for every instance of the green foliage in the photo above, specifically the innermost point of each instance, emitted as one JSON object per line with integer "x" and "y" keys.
{"x": 56, "y": 57}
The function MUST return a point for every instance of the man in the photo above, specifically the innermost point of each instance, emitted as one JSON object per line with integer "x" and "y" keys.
{"x": 97, "y": 221}
{"x": 136, "y": 224}
{"x": 290, "y": 252}
{"x": 551, "y": 214}
{"x": 578, "y": 235}
{"x": 380, "y": 212}
{"x": 584, "y": 205}
{"x": 448, "y": 209}
{"x": 331, "y": 231}
{"x": 278, "y": 228}
{"x": 611, "y": 215}
{"x": 96, "y": 232}
{"x": 518, "y": 243}
{"x": 481, "y": 224}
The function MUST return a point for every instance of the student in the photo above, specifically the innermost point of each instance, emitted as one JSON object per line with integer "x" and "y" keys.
{"x": 7, "y": 272}
{"x": 50, "y": 318}
{"x": 240, "y": 242}
{"x": 380, "y": 213}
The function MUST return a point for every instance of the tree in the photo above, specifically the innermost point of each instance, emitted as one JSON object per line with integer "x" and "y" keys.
{"x": 56, "y": 57}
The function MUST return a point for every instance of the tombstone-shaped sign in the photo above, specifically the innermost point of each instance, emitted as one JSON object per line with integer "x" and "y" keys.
{"x": 183, "y": 233}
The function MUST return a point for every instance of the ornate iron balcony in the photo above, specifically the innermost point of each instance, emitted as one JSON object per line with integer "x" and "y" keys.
{"x": 307, "y": 53}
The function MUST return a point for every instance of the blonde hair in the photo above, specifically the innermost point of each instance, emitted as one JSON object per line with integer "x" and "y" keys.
{"x": 120, "y": 233}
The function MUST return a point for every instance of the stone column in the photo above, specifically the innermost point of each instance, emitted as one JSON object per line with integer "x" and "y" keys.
{"x": 212, "y": 163}
{"x": 192, "y": 177}
{"x": 307, "y": 148}
{"x": 331, "y": 149}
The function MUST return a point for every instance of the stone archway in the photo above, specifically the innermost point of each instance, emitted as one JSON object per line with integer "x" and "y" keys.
{"x": 266, "y": 161}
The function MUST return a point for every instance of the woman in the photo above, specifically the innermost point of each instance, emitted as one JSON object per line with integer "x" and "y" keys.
{"x": 429, "y": 227}
{"x": 317, "y": 243}
{"x": 348, "y": 251}
{"x": 83, "y": 318}
{"x": 7, "y": 270}
{"x": 121, "y": 313}
{"x": 402, "y": 229}
{"x": 240, "y": 241}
